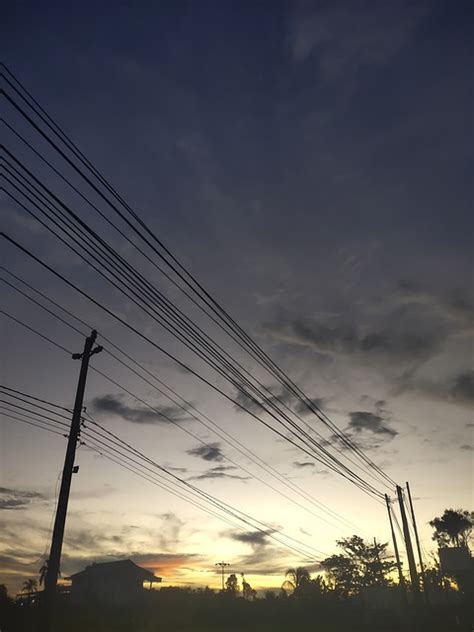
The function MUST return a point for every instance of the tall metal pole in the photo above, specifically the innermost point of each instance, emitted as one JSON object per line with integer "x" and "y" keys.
{"x": 417, "y": 539}
{"x": 411, "y": 558}
{"x": 52, "y": 571}
{"x": 401, "y": 579}
{"x": 222, "y": 565}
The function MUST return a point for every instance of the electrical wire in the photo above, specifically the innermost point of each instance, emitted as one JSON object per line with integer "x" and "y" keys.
{"x": 318, "y": 446}
{"x": 159, "y": 347}
{"x": 213, "y": 304}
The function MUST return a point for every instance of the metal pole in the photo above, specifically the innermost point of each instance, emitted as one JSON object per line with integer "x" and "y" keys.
{"x": 52, "y": 572}
{"x": 222, "y": 565}
{"x": 411, "y": 558}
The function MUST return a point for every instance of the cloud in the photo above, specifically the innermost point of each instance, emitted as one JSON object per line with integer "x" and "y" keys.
{"x": 91, "y": 542}
{"x": 15, "y": 499}
{"x": 462, "y": 388}
{"x": 344, "y": 39}
{"x": 454, "y": 305}
{"x": 302, "y": 464}
{"x": 467, "y": 448}
{"x": 170, "y": 530}
{"x": 115, "y": 405}
{"x": 220, "y": 471}
{"x": 366, "y": 421}
{"x": 281, "y": 398}
{"x": 254, "y": 538}
{"x": 250, "y": 404}
{"x": 318, "y": 402}
{"x": 209, "y": 452}
{"x": 457, "y": 390}
{"x": 336, "y": 338}
{"x": 265, "y": 558}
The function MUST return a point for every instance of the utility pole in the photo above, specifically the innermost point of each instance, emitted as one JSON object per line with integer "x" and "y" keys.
{"x": 52, "y": 572}
{"x": 420, "y": 557}
{"x": 222, "y": 565}
{"x": 411, "y": 558}
{"x": 401, "y": 579}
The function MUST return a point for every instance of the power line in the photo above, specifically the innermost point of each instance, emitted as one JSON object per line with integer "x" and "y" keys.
{"x": 59, "y": 414}
{"x": 325, "y": 454}
{"x": 189, "y": 280}
{"x": 235, "y": 443}
{"x": 160, "y": 348}
{"x": 38, "y": 424}
{"x": 222, "y": 434}
{"x": 100, "y": 441}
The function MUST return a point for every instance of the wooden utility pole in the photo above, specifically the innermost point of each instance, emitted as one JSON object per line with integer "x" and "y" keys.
{"x": 52, "y": 571}
{"x": 222, "y": 565}
{"x": 401, "y": 579}
{"x": 417, "y": 539}
{"x": 409, "y": 548}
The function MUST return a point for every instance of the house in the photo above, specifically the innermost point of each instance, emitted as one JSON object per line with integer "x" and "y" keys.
{"x": 112, "y": 582}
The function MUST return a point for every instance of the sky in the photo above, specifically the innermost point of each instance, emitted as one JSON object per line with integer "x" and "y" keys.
{"x": 310, "y": 163}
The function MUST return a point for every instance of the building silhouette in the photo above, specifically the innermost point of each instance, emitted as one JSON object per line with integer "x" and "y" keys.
{"x": 112, "y": 582}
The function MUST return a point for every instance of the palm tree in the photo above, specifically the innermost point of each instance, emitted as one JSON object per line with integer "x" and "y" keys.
{"x": 298, "y": 577}
{"x": 42, "y": 571}
{"x": 29, "y": 586}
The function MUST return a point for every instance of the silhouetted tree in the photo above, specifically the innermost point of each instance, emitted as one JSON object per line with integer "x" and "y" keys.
{"x": 453, "y": 527}
{"x": 29, "y": 586}
{"x": 232, "y": 585}
{"x": 248, "y": 592}
{"x": 360, "y": 566}
{"x": 342, "y": 573}
{"x": 42, "y": 572}
{"x": 4, "y": 597}
{"x": 297, "y": 578}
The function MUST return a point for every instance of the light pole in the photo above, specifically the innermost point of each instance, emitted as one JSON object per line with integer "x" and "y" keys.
{"x": 222, "y": 565}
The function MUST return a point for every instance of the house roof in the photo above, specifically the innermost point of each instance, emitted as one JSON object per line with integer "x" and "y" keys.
{"x": 107, "y": 569}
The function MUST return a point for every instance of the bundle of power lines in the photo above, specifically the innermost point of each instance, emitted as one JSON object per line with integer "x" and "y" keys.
{"x": 276, "y": 408}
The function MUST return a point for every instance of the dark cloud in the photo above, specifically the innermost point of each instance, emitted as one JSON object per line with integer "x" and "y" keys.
{"x": 467, "y": 448}
{"x": 87, "y": 540}
{"x": 179, "y": 470}
{"x": 366, "y": 421}
{"x": 279, "y": 397}
{"x": 457, "y": 390}
{"x": 209, "y": 452}
{"x": 254, "y": 538}
{"x": 115, "y": 405}
{"x": 302, "y": 464}
{"x": 220, "y": 471}
{"x": 265, "y": 558}
{"x": 455, "y": 305}
{"x": 341, "y": 339}
{"x": 318, "y": 402}
{"x": 15, "y": 499}
{"x": 462, "y": 388}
